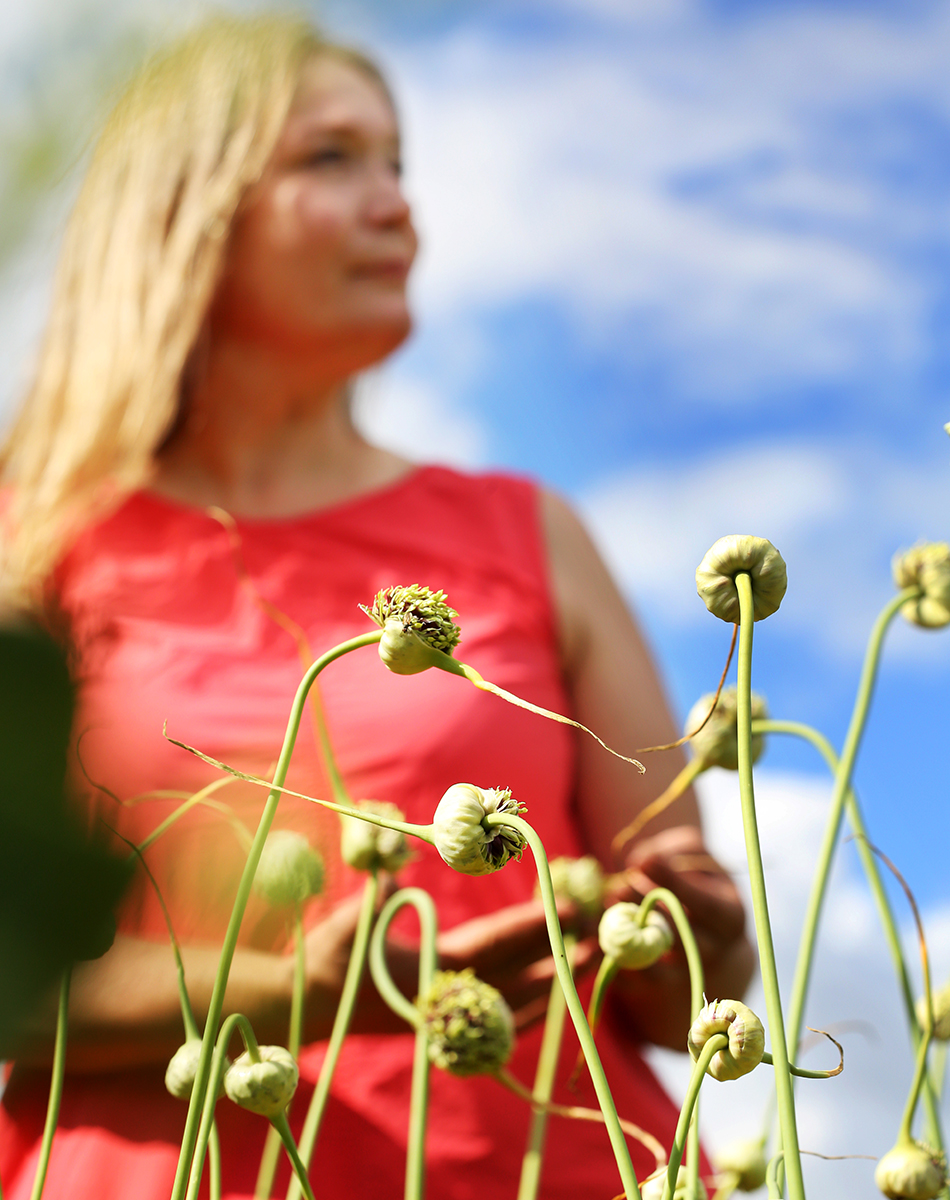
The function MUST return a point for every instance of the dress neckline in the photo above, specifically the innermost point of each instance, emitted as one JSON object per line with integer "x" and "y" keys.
{"x": 367, "y": 498}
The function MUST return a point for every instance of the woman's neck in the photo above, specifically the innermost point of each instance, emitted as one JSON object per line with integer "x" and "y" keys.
{"x": 263, "y": 440}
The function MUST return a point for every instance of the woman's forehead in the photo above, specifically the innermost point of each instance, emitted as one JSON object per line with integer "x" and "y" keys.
{"x": 333, "y": 94}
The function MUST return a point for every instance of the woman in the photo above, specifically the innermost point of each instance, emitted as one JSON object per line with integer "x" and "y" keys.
{"x": 238, "y": 253}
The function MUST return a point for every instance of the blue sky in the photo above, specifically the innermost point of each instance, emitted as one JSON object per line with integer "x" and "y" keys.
{"x": 689, "y": 263}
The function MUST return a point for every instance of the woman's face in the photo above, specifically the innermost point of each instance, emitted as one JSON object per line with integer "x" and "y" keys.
{"x": 318, "y": 256}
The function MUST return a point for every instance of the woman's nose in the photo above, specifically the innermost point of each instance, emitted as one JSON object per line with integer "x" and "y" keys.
{"x": 387, "y": 202}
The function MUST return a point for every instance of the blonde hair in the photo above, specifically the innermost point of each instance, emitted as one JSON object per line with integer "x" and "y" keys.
{"x": 141, "y": 258}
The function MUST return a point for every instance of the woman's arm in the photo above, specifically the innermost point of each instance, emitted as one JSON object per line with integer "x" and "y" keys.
{"x": 617, "y": 693}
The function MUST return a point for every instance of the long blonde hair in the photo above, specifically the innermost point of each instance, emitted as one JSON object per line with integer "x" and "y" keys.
{"x": 141, "y": 258}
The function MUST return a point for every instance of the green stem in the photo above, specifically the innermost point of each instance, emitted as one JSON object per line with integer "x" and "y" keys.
{"x": 271, "y": 1153}
{"x": 694, "y": 961}
{"x": 920, "y": 1072}
{"x": 214, "y": 1164}
{"x": 881, "y": 900}
{"x": 210, "y": 1097}
{"x": 341, "y": 1025}
{"x": 697, "y": 986}
{"x": 216, "y": 1003}
{"x": 55, "y": 1086}
{"x": 300, "y": 1171}
{"x": 773, "y": 999}
{"x": 773, "y": 1175}
{"x": 337, "y": 786}
{"x": 544, "y": 1084}
{"x": 842, "y": 787}
{"x": 419, "y": 1095}
{"x": 606, "y": 973}
{"x": 628, "y": 1177}
{"x": 710, "y": 1049}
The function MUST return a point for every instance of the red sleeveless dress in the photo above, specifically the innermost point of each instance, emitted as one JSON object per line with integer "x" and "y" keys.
{"x": 166, "y": 631}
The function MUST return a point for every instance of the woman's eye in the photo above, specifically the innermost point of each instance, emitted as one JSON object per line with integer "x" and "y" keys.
{"x": 327, "y": 156}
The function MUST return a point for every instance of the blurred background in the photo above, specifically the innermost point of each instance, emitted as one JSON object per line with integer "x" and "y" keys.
{"x": 687, "y": 261}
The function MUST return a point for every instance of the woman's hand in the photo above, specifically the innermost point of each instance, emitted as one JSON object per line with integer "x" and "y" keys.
{"x": 508, "y": 949}
{"x": 654, "y": 1004}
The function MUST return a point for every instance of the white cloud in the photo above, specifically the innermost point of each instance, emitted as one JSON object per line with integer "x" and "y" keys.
{"x": 853, "y": 984}
{"x": 837, "y": 513}
{"x": 563, "y": 172}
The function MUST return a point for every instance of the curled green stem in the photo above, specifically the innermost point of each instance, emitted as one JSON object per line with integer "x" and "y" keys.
{"x": 55, "y": 1086}
{"x": 711, "y": 1048}
{"x": 419, "y": 1095}
{"x": 575, "y": 1008}
{"x": 216, "y": 1003}
{"x": 763, "y": 930}
{"x": 341, "y": 1024}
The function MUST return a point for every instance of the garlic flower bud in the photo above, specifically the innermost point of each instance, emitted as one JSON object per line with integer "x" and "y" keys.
{"x": 416, "y": 623}
{"x": 911, "y": 1171}
{"x": 717, "y": 743}
{"x": 182, "y": 1068}
{"x": 470, "y": 1028}
{"x": 580, "y": 880}
{"x": 744, "y": 1160}
{"x": 369, "y": 847}
{"x": 290, "y": 870}
{"x": 652, "y": 1187}
{"x": 941, "y": 1004}
{"x": 630, "y": 943}
{"x": 926, "y": 566}
{"x": 463, "y": 841}
{"x": 716, "y": 576}
{"x": 264, "y": 1087}
{"x": 745, "y": 1033}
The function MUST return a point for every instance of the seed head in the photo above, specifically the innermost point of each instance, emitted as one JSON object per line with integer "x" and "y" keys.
{"x": 369, "y": 847}
{"x": 580, "y": 880}
{"x": 469, "y": 1025}
{"x": 927, "y": 566}
{"x": 182, "y": 1068}
{"x": 264, "y": 1087}
{"x": 745, "y": 1033}
{"x": 716, "y": 576}
{"x": 462, "y": 839}
{"x": 631, "y": 943}
{"x": 717, "y": 743}
{"x": 745, "y": 1161}
{"x": 941, "y": 1004}
{"x": 911, "y": 1171}
{"x": 415, "y": 622}
{"x": 290, "y": 870}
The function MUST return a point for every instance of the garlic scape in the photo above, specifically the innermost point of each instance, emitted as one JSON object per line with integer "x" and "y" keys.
{"x": 419, "y": 632}
{"x": 290, "y": 870}
{"x": 941, "y": 1013}
{"x": 470, "y": 1028}
{"x": 744, "y": 1162}
{"x": 463, "y": 839}
{"x": 181, "y": 1069}
{"x": 925, "y": 566}
{"x": 911, "y": 1171}
{"x": 742, "y": 1028}
{"x": 580, "y": 880}
{"x": 731, "y": 555}
{"x": 417, "y": 625}
{"x": 263, "y": 1082}
{"x": 367, "y": 847}
{"x": 632, "y": 940}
